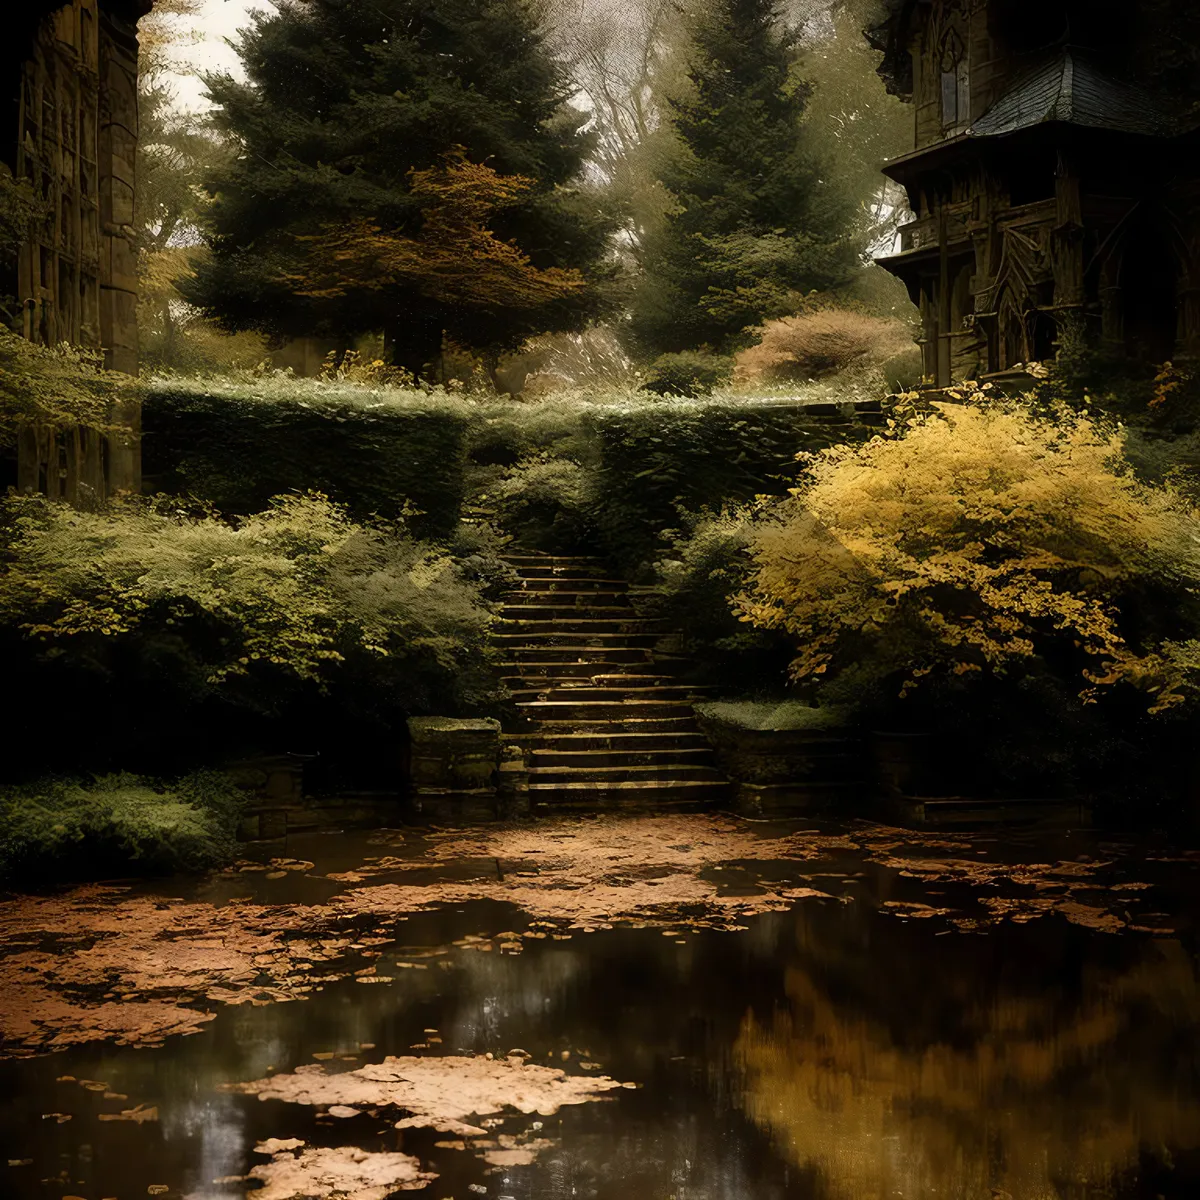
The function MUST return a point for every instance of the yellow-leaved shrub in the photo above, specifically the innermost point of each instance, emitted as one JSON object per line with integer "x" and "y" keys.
{"x": 982, "y": 537}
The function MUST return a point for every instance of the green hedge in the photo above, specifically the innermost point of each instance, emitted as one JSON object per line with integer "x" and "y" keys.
{"x": 373, "y": 451}
{"x": 640, "y": 460}
{"x": 660, "y": 458}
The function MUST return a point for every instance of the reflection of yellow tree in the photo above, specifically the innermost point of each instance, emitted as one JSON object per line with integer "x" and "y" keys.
{"x": 1032, "y": 1097}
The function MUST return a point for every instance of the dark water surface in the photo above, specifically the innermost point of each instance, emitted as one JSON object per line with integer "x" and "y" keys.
{"x": 834, "y": 1052}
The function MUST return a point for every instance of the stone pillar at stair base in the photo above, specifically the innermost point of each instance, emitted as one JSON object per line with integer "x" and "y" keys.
{"x": 453, "y": 767}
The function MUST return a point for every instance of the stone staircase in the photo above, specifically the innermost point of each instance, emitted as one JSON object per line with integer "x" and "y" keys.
{"x": 598, "y": 722}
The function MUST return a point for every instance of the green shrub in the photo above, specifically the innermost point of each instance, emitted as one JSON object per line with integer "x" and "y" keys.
{"x": 151, "y": 624}
{"x": 689, "y": 373}
{"x": 375, "y": 450}
{"x": 61, "y": 387}
{"x": 124, "y": 824}
{"x": 543, "y": 504}
{"x": 708, "y": 563}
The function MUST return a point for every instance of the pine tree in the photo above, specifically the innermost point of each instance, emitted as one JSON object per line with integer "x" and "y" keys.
{"x": 346, "y": 110}
{"x": 754, "y": 226}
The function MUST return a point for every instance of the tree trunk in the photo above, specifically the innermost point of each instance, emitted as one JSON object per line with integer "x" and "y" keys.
{"x": 414, "y": 342}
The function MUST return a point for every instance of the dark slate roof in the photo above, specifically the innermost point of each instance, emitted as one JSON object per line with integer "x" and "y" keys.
{"x": 1071, "y": 90}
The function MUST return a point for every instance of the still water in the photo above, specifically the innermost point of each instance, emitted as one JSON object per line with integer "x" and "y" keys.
{"x": 836, "y": 1051}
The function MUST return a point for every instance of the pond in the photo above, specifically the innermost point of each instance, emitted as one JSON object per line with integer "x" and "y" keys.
{"x": 672, "y": 1008}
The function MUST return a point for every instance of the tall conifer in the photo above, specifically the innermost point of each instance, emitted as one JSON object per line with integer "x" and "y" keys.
{"x": 345, "y": 105}
{"x": 754, "y": 225}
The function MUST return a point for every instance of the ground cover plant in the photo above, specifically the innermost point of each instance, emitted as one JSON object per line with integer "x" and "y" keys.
{"x": 117, "y": 824}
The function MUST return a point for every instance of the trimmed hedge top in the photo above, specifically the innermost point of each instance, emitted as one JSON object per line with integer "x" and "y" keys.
{"x": 386, "y": 451}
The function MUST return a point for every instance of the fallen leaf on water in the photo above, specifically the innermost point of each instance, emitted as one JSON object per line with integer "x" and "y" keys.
{"x": 323, "y": 1174}
{"x": 436, "y": 1093}
{"x": 277, "y": 1145}
{"x": 139, "y": 1115}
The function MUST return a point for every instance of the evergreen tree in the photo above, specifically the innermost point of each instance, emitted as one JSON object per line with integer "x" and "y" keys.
{"x": 754, "y": 225}
{"x": 347, "y": 111}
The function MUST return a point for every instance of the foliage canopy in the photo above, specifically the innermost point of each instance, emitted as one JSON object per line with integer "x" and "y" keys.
{"x": 346, "y": 117}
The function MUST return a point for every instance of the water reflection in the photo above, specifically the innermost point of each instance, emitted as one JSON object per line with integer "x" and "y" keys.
{"x": 831, "y": 1053}
{"x": 1042, "y": 1066}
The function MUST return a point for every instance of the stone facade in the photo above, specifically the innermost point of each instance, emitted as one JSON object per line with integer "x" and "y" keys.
{"x": 1055, "y": 183}
{"x": 76, "y": 140}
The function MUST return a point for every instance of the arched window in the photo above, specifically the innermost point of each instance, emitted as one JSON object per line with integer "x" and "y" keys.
{"x": 952, "y": 63}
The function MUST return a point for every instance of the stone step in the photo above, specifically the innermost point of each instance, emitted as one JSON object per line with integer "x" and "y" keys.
{"x": 620, "y": 740}
{"x": 529, "y": 613}
{"x": 664, "y": 755}
{"x": 600, "y": 710}
{"x": 628, "y": 624}
{"x": 631, "y": 686}
{"x": 649, "y": 793}
{"x": 568, "y": 641}
{"x": 576, "y": 577}
{"x": 578, "y": 692}
{"x": 580, "y": 655}
{"x": 648, "y": 773}
{"x": 601, "y": 673}
{"x": 678, "y": 725}
{"x": 565, "y": 586}
{"x": 536, "y": 559}
{"x": 569, "y": 600}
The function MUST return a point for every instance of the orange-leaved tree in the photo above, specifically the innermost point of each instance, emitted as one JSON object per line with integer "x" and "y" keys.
{"x": 452, "y": 258}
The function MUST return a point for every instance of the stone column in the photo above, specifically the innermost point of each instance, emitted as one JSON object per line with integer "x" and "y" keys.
{"x": 118, "y": 251}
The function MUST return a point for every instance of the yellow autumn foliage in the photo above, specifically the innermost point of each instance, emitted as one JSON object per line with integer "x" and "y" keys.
{"x": 982, "y": 537}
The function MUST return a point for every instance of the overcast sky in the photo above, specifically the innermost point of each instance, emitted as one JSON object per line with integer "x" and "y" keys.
{"x": 207, "y": 49}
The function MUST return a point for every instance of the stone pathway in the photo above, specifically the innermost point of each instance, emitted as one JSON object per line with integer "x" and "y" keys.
{"x": 598, "y": 721}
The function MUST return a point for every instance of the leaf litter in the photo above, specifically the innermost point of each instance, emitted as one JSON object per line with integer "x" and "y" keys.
{"x": 101, "y": 963}
{"x": 447, "y": 1093}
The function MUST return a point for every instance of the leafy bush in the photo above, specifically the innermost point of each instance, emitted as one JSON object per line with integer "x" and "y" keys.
{"x": 707, "y": 565}
{"x": 60, "y": 387}
{"x": 689, "y": 373}
{"x": 375, "y": 450}
{"x": 543, "y": 503}
{"x": 141, "y": 617}
{"x": 385, "y": 450}
{"x": 116, "y": 824}
{"x": 984, "y": 541}
{"x": 825, "y": 342}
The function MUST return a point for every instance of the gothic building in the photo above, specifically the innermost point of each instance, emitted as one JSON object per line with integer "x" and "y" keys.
{"x": 70, "y": 106}
{"x": 1055, "y": 182}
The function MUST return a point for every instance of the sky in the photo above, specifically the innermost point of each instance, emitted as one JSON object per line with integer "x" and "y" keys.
{"x": 206, "y": 48}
